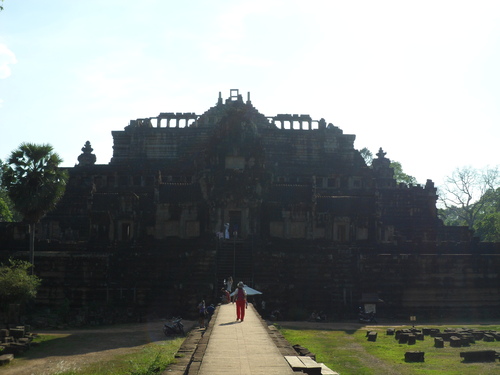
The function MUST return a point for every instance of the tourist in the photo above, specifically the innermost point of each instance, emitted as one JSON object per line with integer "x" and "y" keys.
{"x": 226, "y": 297}
{"x": 202, "y": 312}
{"x": 229, "y": 284}
{"x": 240, "y": 298}
{"x": 210, "y": 312}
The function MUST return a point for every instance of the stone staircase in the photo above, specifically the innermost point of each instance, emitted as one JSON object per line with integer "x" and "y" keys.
{"x": 234, "y": 258}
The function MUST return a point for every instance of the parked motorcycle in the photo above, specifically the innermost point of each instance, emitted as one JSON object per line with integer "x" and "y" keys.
{"x": 174, "y": 327}
{"x": 364, "y": 317}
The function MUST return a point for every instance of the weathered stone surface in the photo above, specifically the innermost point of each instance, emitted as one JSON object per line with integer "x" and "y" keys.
{"x": 403, "y": 338}
{"x": 415, "y": 356}
{"x": 455, "y": 342}
{"x": 6, "y": 358}
{"x": 17, "y": 333}
{"x": 438, "y": 342}
{"x": 488, "y": 337}
{"x": 412, "y": 339}
{"x": 479, "y": 356}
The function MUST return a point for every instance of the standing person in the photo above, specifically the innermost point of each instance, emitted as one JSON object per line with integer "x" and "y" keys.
{"x": 202, "y": 312}
{"x": 241, "y": 301}
{"x": 229, "y": 284}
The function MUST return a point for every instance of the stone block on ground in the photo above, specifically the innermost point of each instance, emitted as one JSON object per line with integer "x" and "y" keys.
{"x": 403, "y": 338}
{"x": 372, "y": 336}
{"x": 17, "y": 333}
{"x": 433, "y": 332}
{"x": 305, "y": 364}
{"x": 302, "y": 351}
{"x": 15, "y": 348}
{"x": 7, "y": 339}
{"x": 479, "y": 356}
{"x": 326, "y": 370}
{"x": 412, "y": 339}
{"x": 6, "y": 358}
{"x": 455, "y": 342}
{"x": 414, "y": 356}
{"x": 489, "y": 338}
{"x": 438, "y": 342}
{"x": 478, "y": 335}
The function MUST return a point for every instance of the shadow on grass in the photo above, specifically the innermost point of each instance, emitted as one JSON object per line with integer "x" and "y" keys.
{"x": 80, "y": 342}
{"x": 348, "y": 329}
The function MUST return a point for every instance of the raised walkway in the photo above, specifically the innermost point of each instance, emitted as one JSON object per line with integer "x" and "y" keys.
{"x": 232, "y": 347}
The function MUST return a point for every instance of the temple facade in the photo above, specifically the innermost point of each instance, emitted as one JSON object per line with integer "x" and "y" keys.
{"x": 284, "y": 203}
{"x": 234, "y": 169}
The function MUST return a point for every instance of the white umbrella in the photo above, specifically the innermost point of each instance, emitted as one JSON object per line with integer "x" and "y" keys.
{"x": 250, "y": 291}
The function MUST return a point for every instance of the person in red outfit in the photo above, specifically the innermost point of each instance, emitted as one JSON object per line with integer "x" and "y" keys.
{"x": 241, "y": 301}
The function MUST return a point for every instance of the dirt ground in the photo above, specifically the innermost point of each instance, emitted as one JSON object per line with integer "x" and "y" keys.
{"x": 84, "y": 346}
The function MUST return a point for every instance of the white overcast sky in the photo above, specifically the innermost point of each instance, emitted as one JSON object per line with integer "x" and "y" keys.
{"x": 421, "y": 79}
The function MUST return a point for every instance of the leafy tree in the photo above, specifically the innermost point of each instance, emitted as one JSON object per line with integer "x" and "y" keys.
{"x": 469, "y": 194}
{"x": 6, "y": 208}
{"x": 472, "y": 198}
{"x": 16, "y": 284}
{"x": 488, "y": 227}
{"x": 367, "y": 155}
{"x": 399, "y": 175}
{"x": 34, "y": 182}
{"x": 5, "y": 214}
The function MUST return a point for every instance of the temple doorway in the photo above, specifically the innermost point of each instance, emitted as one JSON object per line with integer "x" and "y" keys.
{"x": 235, "y": 224}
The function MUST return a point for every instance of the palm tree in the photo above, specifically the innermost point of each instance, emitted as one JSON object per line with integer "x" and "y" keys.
{"x": 35, "y": 183}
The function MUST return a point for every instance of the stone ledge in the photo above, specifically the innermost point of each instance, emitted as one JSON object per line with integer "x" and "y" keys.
{"x": 6, "y": 358}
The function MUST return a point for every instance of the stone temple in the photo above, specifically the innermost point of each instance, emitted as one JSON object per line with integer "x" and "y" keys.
{"x": 284, "y": 203}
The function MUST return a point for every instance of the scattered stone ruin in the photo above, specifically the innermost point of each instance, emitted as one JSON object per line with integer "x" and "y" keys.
{"x": 284, "y": 203}
{"x": 14, "y": 341}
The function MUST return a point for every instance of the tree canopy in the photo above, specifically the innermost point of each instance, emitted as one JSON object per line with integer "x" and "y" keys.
{"x": 33, "y": 180}
{"x": 34, "y": 183}
{"x": 471, "y": 197}
{"x": 7, "y": 212}
{"x": 399, "y": 175}
{"x": 16, "y": 284}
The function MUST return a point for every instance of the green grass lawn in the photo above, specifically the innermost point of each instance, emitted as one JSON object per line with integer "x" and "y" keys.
{"x": 147, "y": 359}
{"x": 350, "y": 353}
{"x": 151, "y": 359}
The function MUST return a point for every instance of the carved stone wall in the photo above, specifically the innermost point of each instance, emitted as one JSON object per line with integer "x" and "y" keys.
{"x": 313, "y": 220}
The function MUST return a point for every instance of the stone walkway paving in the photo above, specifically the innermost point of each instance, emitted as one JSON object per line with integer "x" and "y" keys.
{"x": 241, "y": 348}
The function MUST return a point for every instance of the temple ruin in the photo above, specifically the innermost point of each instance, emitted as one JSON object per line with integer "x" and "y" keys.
{"x": 284, "y": 203}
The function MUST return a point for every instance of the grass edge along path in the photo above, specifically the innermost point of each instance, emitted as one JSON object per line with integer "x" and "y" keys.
{"x": 146, "y": 359}
{"x": 348, "y": 352}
